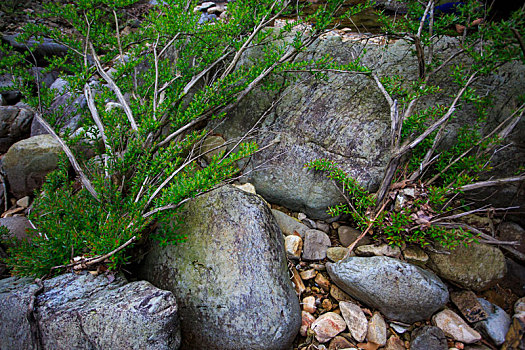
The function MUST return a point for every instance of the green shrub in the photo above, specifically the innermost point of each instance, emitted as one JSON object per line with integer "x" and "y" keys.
{"x": 418, "y": 160}
{"x": 176, "y": 75}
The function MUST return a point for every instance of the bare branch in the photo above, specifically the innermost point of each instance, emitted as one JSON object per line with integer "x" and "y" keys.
{"x": 115, "y": 89}
{"x": 71, "y": 157}
{"x": 490, "y": 183}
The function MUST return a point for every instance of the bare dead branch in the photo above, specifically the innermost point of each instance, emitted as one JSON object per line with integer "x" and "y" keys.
{"x": 490, "y": 183}
{"x": 115, "y": 89}
{"x": 70, "y": 156}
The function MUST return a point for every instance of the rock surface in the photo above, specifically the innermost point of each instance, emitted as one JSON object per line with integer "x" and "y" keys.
{"x": 15, "y": 124}
{"x": 378, "y": 250}
{"x": 399, "y": 290}
{"x": 316, "y": 244}
{"x": 496, "y": 325}
{"x": 84, "y": 312}
{"x": 428, "y": 338}
{"x": 355, "y": 320}
{"x": 377, "y": 330}
{"x": 454, "y": 327}
{"x": 230, "y": 277}
{"x": 27, "y": 162}
{"x": 289, "y": 225}
{"x": 327, "y": 326}
{"x": 476, "y": 267}
{"x": 293, "y": 246}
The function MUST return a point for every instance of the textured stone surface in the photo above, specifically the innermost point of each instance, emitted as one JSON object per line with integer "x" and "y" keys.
{"x": 376, "y": 330}
{"x": 315, "y": 245}
{"x": 347, "y": 235}
{"x": 15, "y": 124}
{"x": 230, "y": 277}
{"x": 293, "y": 246}
{"x": 327, "y": 326}
{"x": 378, "y": 250}
{"x": 454, "y": 327}
{"x": 17, "y": 226}
{"x": 27, "y": 162}
{"x": 497, "y": 323}
{"x": 336, "y": 253}
{"x": 289, "y": 225}
{"x": 401, "y": 291}
{"x": 84, "y": 312}
{"x": 355, "y": 320}
{"x": 476, "y": 267}
{"x": 306, "y": 322}
{"x": 428, "y": 338}
{"x": 468, "y": 304}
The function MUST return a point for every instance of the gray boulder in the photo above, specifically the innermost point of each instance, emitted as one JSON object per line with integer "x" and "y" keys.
{"x": 86, "y": 312}
{"x": 401, "y": 291}
{"x": 15, "y": 124}
{"x": 27, "y": 162}
{"x": 230, "y": 277}
{"x": 345, "y": 118}
{"x": 476, "y": 267}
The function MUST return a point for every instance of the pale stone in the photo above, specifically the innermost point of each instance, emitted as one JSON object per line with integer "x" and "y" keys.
{"x": 454, "y": 327}
{"x": 309, "y": 304}
{"x": 308, "y": 274}
{"x": 23, "y": 202}
{"x": 247, "y": 187}
{"x": 379, "y": 250}
{"x": 288, "y": 224}
{"x": 306, "y": 322}
{"x": 293, "y": 245}
{"x": 415, "y": 255}
{"x": 327, "y": 326}
{"x": 336, "y": 253}
{"x": 322, "y": 281}
{"x": 377, "y": 329}
{"x": 355, "y": 320}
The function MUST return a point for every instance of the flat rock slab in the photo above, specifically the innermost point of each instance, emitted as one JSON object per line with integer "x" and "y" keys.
{"x": 428, "y": 338}
{"x": 230, "y": 276}
{"x": 401, "y": 291}
{"x": 454, "y": 327}
{"x": 86, "y": 312}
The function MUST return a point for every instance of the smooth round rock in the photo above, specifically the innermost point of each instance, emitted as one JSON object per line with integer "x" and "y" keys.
{"x": 27, "y": 163}
{"x": 496, "y": 325}
{"x": 401, "y": 291}
{"x": 230, "y": 276}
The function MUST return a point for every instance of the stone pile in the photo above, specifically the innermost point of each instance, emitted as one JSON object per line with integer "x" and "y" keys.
{"x": 382, "y": 296}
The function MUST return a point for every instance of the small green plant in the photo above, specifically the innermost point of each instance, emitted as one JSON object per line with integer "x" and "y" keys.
{"x": 422, "y": 177}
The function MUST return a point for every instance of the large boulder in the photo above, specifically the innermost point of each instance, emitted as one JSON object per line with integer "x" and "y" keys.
{"x": 230, "y": 276}
{"x": 476, "y": 267}
{"x": 15, "y": 124}
{"x": 345, "y": 118}
{"x": 401, "y": 291}
{"x": 27, "y": 163}
{"x": 87, "y": 312}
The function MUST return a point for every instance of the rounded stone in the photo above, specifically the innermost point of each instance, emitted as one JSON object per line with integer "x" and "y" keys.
{"x": 401, "y": 291}
{"x": 230, "y": 276}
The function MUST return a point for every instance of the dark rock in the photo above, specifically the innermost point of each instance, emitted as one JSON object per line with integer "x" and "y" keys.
{"x": 428, "y": 338}
{"x": 15, "y": 124}
{"x": 86, "y": 312}
{"x": 230, "y": 276}
{"x": 515, "y": 278}
{"x": 401, "y": 291}
{"x": 469, "y": 306}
